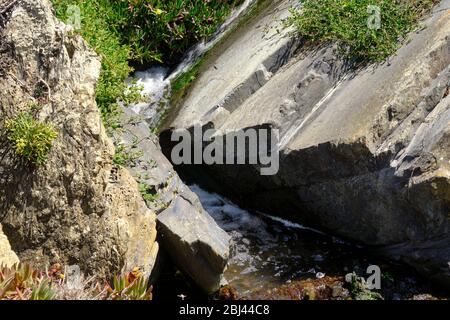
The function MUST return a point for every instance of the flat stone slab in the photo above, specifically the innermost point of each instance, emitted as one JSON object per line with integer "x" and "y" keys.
{"x": 195, "y": 242}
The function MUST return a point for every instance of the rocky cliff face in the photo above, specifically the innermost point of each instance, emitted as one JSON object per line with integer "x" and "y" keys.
{"x": 78, "y": 208}
{"x": 364, "y": 154}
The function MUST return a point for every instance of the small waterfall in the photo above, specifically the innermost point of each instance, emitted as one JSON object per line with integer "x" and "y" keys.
{"x": 154, "y": 85}
{"x": 157, "y": 79}
{"x": 202, "y": 47}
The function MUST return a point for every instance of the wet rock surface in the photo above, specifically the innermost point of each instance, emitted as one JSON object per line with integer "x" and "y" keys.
{"x": 326, "y": 288}
{"x": 271, "y": 257}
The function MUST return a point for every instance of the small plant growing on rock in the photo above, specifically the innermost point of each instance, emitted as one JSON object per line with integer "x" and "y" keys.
{"x": 124, "y": 157}
{"x": 359, "y": 289}
{"x": 131, "y": 286}
{"x": 346, "y": 22}
{"x": 22, "y": 282}
{"x": 148, "y": 192}
{"x": 32, "y": 140}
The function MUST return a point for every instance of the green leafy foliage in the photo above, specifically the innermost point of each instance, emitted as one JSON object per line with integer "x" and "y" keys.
{"x": 148, "y": 192}
{"x": 124, "y": 32}
{"x": 22, "y": 282}
{"x": 107, "y": 42}
{"x": 160, "y": 30}
{"x": 32, "y": 140}
{"x": 43, "y": 290}
{"x": 124, "y": 157}
{"x": 346, "y": 22}
{"x": 359, "y": 289}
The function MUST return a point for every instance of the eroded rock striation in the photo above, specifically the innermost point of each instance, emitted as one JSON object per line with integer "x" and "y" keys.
{"x": 364, "y": 154}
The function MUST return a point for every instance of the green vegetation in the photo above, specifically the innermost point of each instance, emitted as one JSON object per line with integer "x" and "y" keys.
{"x": 160, "y": 30}
{"x": 125, "y": 32}
{"x": 124, "y": 157}
{"x": 359, "y": 290}
{"x": 131, "y": 286}
{"x": 148, "y": 193}
{"x": 23, "y": 282}
{"x": 346, "y": 22}
{"x": 182, "y": 83}
{"x": 32, "y": 140}
{"x": 106, "y": 41}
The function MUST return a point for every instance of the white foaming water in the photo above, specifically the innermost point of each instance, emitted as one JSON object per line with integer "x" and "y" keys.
{"x": 154, "y": 82}
{"x": 204, "y": 46}
{"x": 268, "y": 251}
{"x": 292, "y": 225}
{"x": 157, "y": 79}
{"x": 242, "y": 226}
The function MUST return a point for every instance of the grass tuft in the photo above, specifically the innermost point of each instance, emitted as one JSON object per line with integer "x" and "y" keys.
{"x": 32, "y": 140}
{"x": 347, "y": 22}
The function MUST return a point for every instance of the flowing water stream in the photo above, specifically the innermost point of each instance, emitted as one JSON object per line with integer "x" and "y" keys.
{"x": 156, "y": 81}
{"x": 268, "y": 252}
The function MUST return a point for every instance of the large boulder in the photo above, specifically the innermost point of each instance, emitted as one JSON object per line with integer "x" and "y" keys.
{"x": 77, "y": 208}
{"x": 364, "y": 154}
{"x": 193, "y": 240}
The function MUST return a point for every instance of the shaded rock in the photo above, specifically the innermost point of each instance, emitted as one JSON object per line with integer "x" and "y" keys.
{"x": 194, "y": 242}
{"x": 78, "y": 208}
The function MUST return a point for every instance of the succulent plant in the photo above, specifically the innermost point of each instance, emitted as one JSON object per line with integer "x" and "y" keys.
{"x": 22, "y": 282}
{"x": 130, "y": 286}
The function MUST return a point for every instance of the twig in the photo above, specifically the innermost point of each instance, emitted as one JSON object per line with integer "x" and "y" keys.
{"x": 49, "y": 95}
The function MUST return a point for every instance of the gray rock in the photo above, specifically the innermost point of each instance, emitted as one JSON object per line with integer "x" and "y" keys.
{"x": 195, "y": 242}
{"x": 192, "y": 238}
{"x": 364, "y": 154}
